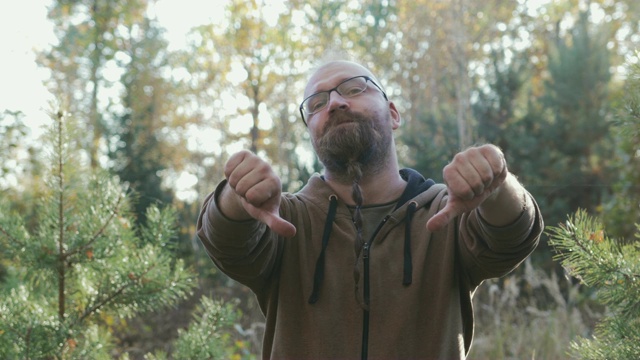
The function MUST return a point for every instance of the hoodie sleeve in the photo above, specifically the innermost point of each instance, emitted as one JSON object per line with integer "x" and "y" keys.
{"x": 488, "y": 251}
{"x": 244, "y": 250}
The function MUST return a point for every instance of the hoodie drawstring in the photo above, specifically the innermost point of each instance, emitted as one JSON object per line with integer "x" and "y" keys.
{"x": 319, "y": 272}
{"x": 408, "y": 265}
{"x": 328, "y": 226}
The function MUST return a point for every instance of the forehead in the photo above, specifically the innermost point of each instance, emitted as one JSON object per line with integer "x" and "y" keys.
{"x": 331, "y": 74}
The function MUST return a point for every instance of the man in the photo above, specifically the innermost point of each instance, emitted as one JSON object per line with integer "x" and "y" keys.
{"x": 367, "y": 260}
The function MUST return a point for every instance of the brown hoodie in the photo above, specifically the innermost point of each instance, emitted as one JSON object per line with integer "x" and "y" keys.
{"x": 413, "y": 299}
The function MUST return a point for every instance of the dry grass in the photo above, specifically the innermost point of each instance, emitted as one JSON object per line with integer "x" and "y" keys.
{"x": 530, "y": 315}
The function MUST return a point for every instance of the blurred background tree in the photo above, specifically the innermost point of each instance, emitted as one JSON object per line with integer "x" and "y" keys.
{"x": 622, "y": 210}
{"x": 607, "y": 265}
{"x": 543, "y": 80}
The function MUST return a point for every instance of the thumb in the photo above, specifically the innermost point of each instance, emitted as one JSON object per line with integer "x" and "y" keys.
{"x": 278, "y": 225}
{"x": 272, "y": 219}
{"x": 456, "y": 206}
{"x": 442, "y": 218}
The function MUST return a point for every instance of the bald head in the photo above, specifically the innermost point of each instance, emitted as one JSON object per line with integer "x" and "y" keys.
{"x": 330, "y": 74}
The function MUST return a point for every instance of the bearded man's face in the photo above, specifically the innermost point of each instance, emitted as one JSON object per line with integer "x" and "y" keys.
{"x": 350, "y": 139}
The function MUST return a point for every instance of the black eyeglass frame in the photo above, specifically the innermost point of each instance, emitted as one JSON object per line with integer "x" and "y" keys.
{"x": 367, "y": 78}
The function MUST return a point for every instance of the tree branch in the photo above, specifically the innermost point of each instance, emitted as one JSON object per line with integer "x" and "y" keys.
{"x": 95, "y": 236}
{"x": 115, "y": 294}
{"x": 11, "y": 238}
{"x": 105, "y": 301}
{"x": 61, "y": 219}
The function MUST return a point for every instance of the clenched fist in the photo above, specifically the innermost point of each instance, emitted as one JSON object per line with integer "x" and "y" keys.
{"x": 471, "y": 178}
{"x": 253, "y": 191}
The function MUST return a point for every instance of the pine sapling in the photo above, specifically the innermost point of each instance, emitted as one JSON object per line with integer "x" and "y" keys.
{"x": 83, "y": 262}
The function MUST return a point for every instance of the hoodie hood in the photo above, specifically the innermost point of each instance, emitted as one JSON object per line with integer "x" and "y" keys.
{"x": 416, "y": 184}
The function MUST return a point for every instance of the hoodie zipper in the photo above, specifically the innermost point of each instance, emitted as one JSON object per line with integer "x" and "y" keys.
{"x": 365, "y": 318}
{"x": 366, "y": 248}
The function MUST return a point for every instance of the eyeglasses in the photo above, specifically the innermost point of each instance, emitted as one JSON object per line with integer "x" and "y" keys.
{"x": 349, "y": 88}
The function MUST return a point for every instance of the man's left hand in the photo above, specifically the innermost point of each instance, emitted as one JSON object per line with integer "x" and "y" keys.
{"x": 471, "y": 178}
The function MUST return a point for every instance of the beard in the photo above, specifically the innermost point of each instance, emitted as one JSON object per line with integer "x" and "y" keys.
{"x": 352, "y": 145}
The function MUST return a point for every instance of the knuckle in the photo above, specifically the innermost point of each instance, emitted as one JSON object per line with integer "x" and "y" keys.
{"x": 448, "y": 171}
{"x": 232, "y": 180}
{"x": 490, "y": 148}
{"x": 239, "y": 188}
{"x": 263, "y": 168}
{"x": 487, "y": 178}
{"x": 461, "y": 156}
{"x": 243, "y": 154}
{"x": 228, "y": 168}
{"x": 467, "y": 194}
{"x": 253, "y": 196}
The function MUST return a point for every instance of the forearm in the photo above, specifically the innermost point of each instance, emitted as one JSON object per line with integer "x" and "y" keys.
{"x": 506, "y": 204}
{"x": 240, "y": 249}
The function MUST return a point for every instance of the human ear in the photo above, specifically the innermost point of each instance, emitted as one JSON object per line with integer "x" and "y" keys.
{"x": 395, "y": 115}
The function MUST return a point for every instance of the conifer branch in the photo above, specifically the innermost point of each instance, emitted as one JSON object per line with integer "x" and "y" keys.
{"x": 95, "y": 236}
{"x": 133, "y": 280}
{"x": 17, "y": 332}
{"x": 88, "y": 312}
{"x": 11, "y": 238}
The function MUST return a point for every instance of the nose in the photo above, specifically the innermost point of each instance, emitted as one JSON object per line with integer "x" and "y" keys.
{"x": 336, "y": 101}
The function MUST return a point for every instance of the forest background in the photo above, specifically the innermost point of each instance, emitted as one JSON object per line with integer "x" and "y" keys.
{"x": 545, "y": 81}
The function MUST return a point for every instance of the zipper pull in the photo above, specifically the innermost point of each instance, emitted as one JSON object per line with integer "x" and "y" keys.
{"x": 365, "y": 250}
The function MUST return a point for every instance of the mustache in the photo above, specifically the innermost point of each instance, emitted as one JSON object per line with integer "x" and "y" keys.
{"x": 344, "y": 116}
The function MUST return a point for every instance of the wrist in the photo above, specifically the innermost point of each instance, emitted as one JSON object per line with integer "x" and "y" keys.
{"x": 505, "y": 204}
{"x": 230, "y": 204}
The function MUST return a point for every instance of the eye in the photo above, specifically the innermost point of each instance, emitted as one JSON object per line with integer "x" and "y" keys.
{"x": 316, "y": 103}
{"x": 353, "y": 87}
{"x": 353, "y": 90}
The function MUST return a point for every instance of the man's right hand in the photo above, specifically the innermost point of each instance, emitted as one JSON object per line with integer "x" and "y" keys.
{"x": 253, "y": 190}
